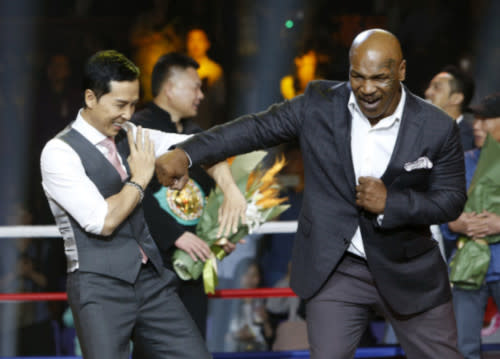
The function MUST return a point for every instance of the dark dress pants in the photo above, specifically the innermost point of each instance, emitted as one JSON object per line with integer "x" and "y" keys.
{"x": 339, "y": 314}
{"x": 194, "y": 298}
{"x": 109, "y": 312}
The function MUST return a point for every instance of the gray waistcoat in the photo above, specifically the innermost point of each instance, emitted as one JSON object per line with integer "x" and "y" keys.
{"x": 117, "y": 255}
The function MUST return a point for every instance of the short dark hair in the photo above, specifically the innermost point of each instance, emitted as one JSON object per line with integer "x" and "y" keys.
{"x": 106, "y": 66}
{"x": 163, "y": 68}
{"x": 461, "y": 82}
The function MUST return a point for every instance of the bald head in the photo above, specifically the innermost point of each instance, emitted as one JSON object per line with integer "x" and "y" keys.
{"x": 377, "y": 40}
{"x": 376, "y": 69}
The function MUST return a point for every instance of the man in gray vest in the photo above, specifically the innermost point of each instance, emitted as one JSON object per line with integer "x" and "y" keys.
{"x": 94, "y": 174}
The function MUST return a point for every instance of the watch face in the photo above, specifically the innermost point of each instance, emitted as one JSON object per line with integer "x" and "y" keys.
{"x": 186, "y": 205}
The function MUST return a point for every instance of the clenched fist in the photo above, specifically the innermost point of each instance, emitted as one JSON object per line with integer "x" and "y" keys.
{"x": 172, "y": 169}
{"x": 371, "y": 194}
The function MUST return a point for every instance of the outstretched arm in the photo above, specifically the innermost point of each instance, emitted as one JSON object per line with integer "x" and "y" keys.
{"x": 234, "y": 206}
{"x": 280, "y": 123}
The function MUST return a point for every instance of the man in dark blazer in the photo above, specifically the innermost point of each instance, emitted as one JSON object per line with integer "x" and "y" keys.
{"x": 380, "y": 165}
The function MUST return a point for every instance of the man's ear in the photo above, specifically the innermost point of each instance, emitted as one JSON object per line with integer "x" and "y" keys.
{"x": 402, "y": 70}
{"x": 456, "y": 98}
{"x": 90, "y": 98}
{"x": 169, "y": 90}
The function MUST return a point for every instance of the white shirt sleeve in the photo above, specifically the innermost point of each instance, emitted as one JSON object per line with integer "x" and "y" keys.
{"x": 66, "y": 183}
{"x": 161, "y": 140}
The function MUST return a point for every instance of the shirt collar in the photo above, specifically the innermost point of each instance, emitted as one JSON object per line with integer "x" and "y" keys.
{"x": 386, "y": 121}
{"x": 87, "y": 130}
{"x": 459, "y": 119}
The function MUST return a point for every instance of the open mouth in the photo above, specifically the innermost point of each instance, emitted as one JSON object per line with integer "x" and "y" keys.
{"x": 370, "y": 104}
{"x": 118, "y": 126}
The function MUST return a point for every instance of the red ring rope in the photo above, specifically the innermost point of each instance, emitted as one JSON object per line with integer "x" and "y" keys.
{"x": 222, "y": 293}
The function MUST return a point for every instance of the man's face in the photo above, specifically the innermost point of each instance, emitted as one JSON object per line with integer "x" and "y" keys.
{"x": 375, "y": 81}
{"x": 483, "y": 126}
{"x": 184, "y": 92}
{"x": 108, "y": 113}
{"x": 439, "y": 90}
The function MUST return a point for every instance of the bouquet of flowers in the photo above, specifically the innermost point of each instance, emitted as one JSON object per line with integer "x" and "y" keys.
{"x": 261, "y": 191}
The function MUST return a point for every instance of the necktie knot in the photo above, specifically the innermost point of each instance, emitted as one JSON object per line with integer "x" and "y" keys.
{"x": 112, "y": 156}
{"x": 109, "y": 143}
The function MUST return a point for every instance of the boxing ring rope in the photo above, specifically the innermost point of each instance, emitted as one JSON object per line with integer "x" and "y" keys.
{"x": 222, "y": 293}
{"x": 51, "y": 231}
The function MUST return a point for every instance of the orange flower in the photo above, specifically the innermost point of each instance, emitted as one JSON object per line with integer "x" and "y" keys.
{"x": 270, "y": 202}
{"x": 269, "y": 175}
{"x": 230, "y": 160}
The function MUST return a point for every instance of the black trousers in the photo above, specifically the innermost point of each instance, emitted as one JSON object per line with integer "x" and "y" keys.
{"x": 109, "y": 313}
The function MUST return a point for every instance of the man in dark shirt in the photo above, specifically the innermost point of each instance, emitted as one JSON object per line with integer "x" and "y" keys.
{"x": 176, "y": 89}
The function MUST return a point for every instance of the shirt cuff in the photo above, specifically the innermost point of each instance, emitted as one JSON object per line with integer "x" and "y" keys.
{"x": 187, "y": 154}
{"x": 189, "y": 158}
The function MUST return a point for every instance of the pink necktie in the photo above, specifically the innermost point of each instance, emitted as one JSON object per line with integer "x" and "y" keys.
{"x": 112, "y": 156}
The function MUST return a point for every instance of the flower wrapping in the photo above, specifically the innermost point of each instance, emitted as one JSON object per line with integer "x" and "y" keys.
{"x": 261, "y": 190}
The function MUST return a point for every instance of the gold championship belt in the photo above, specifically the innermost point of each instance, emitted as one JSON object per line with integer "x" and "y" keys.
{"x": 186, "y": 205}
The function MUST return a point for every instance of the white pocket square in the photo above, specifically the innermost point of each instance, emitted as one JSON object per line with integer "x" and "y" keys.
{"x": 421, "y": 163}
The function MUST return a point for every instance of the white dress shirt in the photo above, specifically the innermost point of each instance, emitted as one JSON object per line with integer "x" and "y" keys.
{"x": 68, "y": 188}
{"x": 371, "y": 149}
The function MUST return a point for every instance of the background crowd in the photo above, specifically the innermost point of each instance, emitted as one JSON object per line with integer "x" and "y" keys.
{"x": 251, "y": 54}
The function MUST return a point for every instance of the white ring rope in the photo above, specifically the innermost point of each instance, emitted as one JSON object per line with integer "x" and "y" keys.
{"x": 53, "y": 232}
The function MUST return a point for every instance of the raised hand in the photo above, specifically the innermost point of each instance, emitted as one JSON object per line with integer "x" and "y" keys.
{"x": 142, "y": 157}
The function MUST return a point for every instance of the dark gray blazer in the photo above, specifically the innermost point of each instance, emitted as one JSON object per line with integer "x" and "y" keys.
{"x": 405, "y": 262}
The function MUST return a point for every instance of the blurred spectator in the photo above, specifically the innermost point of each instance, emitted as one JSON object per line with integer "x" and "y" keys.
{"x": 57, "y": 98}
{"x": 211, "y": 111}
{"x": 452, "y": 90}
{"x": 249, "y": 329}
{"x": 289, "y": 330}
{"x": 151, "y": 36}
{"x": 35, "y": 336}
{"x": 305, "y": 70}
{"x": 470, "y": 304}
{"x": 197, "y": 46}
